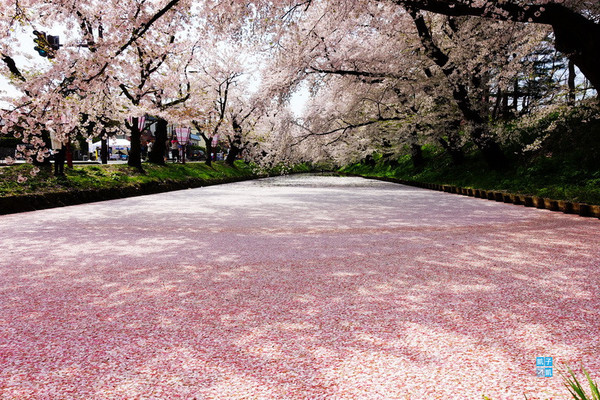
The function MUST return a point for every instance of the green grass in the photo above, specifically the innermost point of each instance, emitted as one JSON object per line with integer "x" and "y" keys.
{"x": 560, "y": 178}
{"x": 564, "y": 163}
{"x": 82, "y": 177}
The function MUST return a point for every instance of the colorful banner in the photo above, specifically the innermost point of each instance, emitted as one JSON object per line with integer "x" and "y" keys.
{"x": 141, "y": 122}
{"x": 183, "y": 135}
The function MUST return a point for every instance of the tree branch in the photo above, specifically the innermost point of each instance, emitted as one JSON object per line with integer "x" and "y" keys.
{"x": 504, "y": 11}
{"x": 141, "y": 30}
{"x": 12, "y": 66}
{"x": 374, "y": 77}
{"x": 136, "y": 34}
{"x": 343, "y": 129}
{"x": 577, "y": 36}
{"x": 126, "y": 93}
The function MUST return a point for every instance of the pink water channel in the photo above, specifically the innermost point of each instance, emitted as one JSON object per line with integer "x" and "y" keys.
{"x": 303, "y": 287}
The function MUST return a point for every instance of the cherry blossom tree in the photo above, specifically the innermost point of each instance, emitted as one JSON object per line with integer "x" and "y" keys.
{"x": 383, "y": 75}
{"x": 576, "y": 23}
{"x": 88, "y": 66}
{"x": 401, "y": 70}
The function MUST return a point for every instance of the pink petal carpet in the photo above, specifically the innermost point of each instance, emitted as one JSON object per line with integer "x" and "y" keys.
{"x": 296, "y": 288}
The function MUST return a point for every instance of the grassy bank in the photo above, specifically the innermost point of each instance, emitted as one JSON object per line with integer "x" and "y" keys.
{"x": 559, "y": 178}
{"x": 86, "y": 177}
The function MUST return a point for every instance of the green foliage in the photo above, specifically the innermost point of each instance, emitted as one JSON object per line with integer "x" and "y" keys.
{"x": 571, "y": 134}
{"x": 565, "y": 165}
{"x": 576, "y": 388}
{"x": 282, "y": 169}
{"x": 201, "y": 148}
{"x": 552, "y": 178}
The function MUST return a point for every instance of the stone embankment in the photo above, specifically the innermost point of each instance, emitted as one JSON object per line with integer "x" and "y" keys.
{"x": 32, "y": 202}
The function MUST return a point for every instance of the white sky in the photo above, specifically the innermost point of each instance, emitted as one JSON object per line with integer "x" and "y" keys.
{"x": 26, "y": 57}
{"x": 298, "y": 100}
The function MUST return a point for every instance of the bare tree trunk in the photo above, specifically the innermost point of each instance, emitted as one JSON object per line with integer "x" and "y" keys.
{"x": 104, "y": 151}
{"x": 207, "y": 142}
{"x": 135, "y": 151}
{"x": 209, "y": 150}
{"x": 416, "y": 155}
{"x": 235, "y": 144}
{"x": 452, "y": 146}
{"x": 571, "y": 83}
{"x": 157, "y": 154}
{"x": 234, "y": 150}
{"x": 515, "y": 102}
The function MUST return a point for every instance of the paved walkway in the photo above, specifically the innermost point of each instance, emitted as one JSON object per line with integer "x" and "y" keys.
{"x": 296, "y": 288}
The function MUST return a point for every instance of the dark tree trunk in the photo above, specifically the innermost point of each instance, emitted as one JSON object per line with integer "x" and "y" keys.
{"x": 207, "y": 142}
{"x": 480, "y": 134}
{"x": 135, "y": 150}
{"x": 456, "y": 155}
{"x": 490, "y": 149}
{"x": 579, "y": 39}
{"x": 572, "y": 95}
{"x": 234, "y": 150}
{"x": 516, "y": 92}
{"x": 496, "y": 111}
{"x": 69, "y": 153}
{"x": 59, "y": 162}
{"x": 104, "y": 151}
{"x": 416, "y": 151}
{"x": 159, "y": 148}
{"x": 416, "y": 155}
{"x": 460, "y": 92}
{"x": 235, "y": 145}
{"x": 505, "y": 108}
{"x": 209, "y": 151}
{"x": 452, "y": 146}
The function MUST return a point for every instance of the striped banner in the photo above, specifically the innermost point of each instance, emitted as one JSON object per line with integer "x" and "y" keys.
{"x": 141, "y": 122}
{"x": 183, "y": 135}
